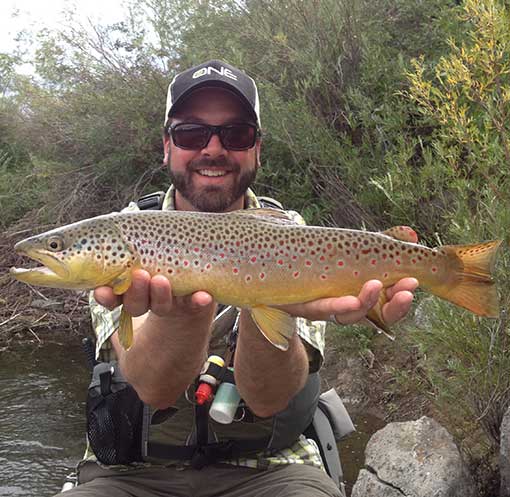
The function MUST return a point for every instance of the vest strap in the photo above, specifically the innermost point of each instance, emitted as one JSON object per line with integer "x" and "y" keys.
{"x": 203, "y": 455}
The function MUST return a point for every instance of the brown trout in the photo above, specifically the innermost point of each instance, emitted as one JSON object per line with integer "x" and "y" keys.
{"x": 254, "y": 259}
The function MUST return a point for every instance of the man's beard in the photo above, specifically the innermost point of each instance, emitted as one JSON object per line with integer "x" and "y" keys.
{"x": 213, "y": 198}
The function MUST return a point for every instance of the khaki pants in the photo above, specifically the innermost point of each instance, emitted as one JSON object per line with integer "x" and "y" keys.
{"x": 294, "y": 480}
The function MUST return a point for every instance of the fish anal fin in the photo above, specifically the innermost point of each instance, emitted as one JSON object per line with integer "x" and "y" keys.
{"x": 125, "y": 330}
{"x": 276, "y": 325}
{"x": 375, "y": 316}
{"x": 402, "y": 233}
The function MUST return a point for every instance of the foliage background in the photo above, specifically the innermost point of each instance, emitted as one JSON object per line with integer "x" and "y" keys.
{"x": 375, "y": 113}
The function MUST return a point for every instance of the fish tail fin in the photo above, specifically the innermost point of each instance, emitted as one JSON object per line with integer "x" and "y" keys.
{"x": 471, "y": 285}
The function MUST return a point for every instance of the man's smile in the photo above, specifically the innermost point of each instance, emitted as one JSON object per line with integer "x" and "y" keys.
{"x": 211, "y": 172}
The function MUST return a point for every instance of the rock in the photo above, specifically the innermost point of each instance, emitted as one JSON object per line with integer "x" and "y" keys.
{"x": 504, "y": 455}
{"x": 413, "y": 459}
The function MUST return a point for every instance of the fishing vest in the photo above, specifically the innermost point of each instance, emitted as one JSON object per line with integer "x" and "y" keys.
{"x": 186, "y": 431}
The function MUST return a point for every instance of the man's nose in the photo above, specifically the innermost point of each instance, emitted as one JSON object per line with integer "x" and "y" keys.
{"x": 214, "y": 147}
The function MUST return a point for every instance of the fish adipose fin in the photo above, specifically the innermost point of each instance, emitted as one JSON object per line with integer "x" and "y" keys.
{"x": 472, "y": 286}
{"x": 125, "y": 329}
{"x": 277, "y": 326}
{"x": 403, "y": 233}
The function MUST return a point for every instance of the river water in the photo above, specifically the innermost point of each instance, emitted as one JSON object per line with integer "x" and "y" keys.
{"x": 42, "y": 419}
{"x": 42, "y": 416}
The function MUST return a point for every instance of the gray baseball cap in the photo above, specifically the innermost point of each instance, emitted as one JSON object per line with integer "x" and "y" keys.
{"x": 213, "y": 73}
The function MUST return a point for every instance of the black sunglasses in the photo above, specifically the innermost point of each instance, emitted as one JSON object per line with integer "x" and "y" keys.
{"x": 191, "y": 136}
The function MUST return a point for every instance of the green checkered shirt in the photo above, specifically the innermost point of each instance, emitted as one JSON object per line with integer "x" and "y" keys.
{"x": 303, "y": 451}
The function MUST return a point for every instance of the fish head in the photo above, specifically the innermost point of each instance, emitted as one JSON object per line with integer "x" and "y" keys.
{"x": 82, "y": 255}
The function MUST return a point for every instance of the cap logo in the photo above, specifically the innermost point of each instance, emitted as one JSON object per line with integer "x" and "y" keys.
{"x": 208, "y": 70}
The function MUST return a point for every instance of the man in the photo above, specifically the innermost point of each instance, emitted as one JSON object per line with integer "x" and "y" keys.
{"x": 212, "y": 147}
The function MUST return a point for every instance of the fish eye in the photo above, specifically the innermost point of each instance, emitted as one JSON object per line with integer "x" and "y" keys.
{"x": 55, "y": 243}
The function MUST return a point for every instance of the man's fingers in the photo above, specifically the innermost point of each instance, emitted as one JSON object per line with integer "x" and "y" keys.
{"x": 104, "y": 296}
{"x": 160, "y": 295}
{"x": 405, "y": 284}
{"x": 397, "y": 307}
{"x": 136, "y": 299}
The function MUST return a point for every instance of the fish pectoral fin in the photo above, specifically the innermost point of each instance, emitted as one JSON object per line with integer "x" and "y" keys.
{"x": 121, "y": 283}
{"x": 277, "y": 326}
{"x": 125, "y": 330}
{"x": 375, "y": 316}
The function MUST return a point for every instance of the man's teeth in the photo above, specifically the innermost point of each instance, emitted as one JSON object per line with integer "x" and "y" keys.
{"x": 211, "y": 172}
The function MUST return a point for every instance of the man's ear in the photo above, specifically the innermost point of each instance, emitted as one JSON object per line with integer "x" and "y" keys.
{"x": 258, "y": 145}
{"x": 166, "y": 148}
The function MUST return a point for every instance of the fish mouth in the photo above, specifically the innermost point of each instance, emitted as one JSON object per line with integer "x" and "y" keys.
{"x": 52, "y": 271}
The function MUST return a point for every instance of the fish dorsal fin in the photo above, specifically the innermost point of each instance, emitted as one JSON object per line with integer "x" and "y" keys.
{"x": 402, "y": 233}
{"x": 266, "y": 213}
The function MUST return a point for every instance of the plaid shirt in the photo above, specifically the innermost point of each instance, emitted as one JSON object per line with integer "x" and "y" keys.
{"x": 303, "y": 451}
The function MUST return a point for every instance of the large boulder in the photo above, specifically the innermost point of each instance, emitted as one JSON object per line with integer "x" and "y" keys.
{"x": 504, "y": 458}
{"x": 413, "y": 459}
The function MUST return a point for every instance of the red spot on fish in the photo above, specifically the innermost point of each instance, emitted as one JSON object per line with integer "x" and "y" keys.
{"x": 340, "y": 263}
{"x": 248, "y": 278}
{"x": 329, "y": 246}
{"x": 169, "y": 271}
{"x": 386, "y": 275}
{"x": 235, "y": 270}
{"x": 434, "y": 269}
{"x": 310, "y": 243}
{"x": 262, "y": 276}
{"x": 397, "y": 261}
{"x": 208, "y": 266}
{"x": 356, "y": 273}
{"x": 280, "y": 262}
{"x": 290, "y": 266}
{"x": 413, "y": 261}
{"x": 308, "y": 263}
{"x": 322, "y": 258}
{"x": 222, "y": 255}
{"x": 196, "y": 249}
{"x": 294, "y": 257}
{"x": 238, "y": 243}
{"x": 296, "y": 274}
{"x": 323, "y": 277}
{"x": 253, "y": 259}
{"x": 373, "y": 262}
{"x": 177, "y": 251}
{"x": 366, "y": 251}
{"x": 185, "y": 263}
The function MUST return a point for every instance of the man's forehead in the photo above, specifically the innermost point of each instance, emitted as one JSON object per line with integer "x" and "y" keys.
{"x": 211, "y": 99}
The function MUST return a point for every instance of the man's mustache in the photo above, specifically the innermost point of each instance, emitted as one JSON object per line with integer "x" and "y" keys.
{"x": 223, "y": 163}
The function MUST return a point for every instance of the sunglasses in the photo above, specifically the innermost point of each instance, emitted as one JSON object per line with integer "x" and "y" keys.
{"x": 237, "y": 137}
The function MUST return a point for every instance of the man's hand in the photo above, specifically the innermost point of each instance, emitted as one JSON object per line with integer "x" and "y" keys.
{"x": 150, "y": 294}
{"x": 350, "y": 309}
{"x": 171, "y": 340}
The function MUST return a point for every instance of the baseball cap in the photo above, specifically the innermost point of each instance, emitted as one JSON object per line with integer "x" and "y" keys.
{"x": 213, "y": 73}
